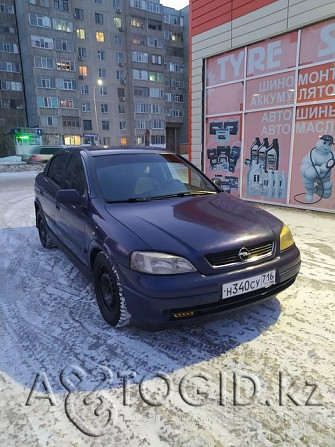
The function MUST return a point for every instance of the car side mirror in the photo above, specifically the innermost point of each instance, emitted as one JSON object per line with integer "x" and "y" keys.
{"x": 69, "y": 196}
{"x": 217, "y": 181}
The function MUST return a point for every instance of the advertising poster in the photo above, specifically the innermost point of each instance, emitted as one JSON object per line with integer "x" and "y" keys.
{"x": 225, "y": 99}
{"x": 317, "y": 43}
{"x": 225, "y": 68}
{"x": 223, "y": 153}
{"x": 273, "y": 55}
{"x": 270, "y": 91}
{"x": 267, "y": 140}
{"x": 313, "y": 163}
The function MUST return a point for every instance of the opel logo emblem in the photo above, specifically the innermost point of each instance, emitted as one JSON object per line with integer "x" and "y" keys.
{"x": 244, "y": 254}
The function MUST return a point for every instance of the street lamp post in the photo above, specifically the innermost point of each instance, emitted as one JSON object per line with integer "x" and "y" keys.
{"x": 99, "y": 83}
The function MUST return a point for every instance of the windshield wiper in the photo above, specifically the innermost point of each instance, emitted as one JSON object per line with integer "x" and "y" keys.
{"x": 183, "y": 194}
{"x": 130, "y": 200}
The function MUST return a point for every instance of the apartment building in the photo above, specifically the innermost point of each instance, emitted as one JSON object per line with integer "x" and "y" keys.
{"x": 101, "y": 72}
{"x": 12, "y": 103}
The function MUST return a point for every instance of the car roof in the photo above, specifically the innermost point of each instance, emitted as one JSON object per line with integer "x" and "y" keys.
{"x": 100, "y": 151}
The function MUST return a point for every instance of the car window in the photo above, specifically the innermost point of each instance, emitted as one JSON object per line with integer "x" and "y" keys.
{"x": 49, "y": 150}
{"x": 57, "y": 168}
{"x": 75, "y": 175}
{"x": 122, "y": 177}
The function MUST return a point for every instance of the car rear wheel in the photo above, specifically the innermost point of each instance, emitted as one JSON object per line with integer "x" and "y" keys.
{"x": 43, "y": 232}
{"x": 109, "y": 294}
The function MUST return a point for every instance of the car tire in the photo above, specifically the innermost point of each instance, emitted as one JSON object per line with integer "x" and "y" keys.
{"x": 43, "y": 231}
{"x": 109, "y": 294}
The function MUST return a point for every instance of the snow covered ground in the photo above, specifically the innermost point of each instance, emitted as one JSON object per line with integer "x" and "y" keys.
{"x": 260, "y": 377}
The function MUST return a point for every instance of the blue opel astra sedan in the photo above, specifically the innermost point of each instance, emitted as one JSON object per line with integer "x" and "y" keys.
{"x": 163, "y": 244}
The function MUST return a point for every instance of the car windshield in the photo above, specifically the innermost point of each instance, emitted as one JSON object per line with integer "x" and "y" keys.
{"x": 150, "y": 176}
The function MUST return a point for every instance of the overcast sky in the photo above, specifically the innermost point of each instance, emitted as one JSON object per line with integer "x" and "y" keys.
{"x": 176, "y": 4}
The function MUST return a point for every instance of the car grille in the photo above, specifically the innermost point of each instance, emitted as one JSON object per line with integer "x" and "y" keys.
{"x": 232, "y": 256}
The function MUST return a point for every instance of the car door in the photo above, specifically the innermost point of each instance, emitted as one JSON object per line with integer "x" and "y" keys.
{"x": 49, "y": 185}
{"x": 71, "y": 218}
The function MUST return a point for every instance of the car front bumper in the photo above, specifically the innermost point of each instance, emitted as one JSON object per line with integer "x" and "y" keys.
{"x": 166, "y": 301}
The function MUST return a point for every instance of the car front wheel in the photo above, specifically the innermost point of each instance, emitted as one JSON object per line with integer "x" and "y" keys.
{"x": 43, "y": 232}
{"x": 108, "y": 291}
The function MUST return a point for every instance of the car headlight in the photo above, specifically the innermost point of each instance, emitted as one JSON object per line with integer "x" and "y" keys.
{"x": 159, "y": 263}
{"x": 286, "y": 238}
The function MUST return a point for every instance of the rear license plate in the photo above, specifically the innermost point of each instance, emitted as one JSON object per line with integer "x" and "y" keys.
{"x": 249, "y": 284}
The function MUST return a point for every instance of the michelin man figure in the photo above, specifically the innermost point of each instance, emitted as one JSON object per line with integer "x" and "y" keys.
{"x": 316, "y": 169}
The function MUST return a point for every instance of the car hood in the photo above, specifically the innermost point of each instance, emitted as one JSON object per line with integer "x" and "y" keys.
{"x": 198, "y": 225}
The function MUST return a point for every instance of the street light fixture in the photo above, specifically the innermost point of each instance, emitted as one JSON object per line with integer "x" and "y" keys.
{"x": 98, "y": 83}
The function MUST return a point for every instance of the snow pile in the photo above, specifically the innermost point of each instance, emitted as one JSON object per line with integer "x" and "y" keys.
{"x": 14, "y": 164}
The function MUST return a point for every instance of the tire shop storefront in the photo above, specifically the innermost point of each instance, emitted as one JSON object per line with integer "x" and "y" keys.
{"x": 268, "y": 122}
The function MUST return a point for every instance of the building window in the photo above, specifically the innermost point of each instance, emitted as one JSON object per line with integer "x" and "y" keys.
{"x": 157, "y": 139}
{"x": 62, "y": 5}
{"x": 6, "y": 47}
{"x": 10, "y": 67}
{"x": 82, "y": 71}
{"x": 79, "y": 14}
{"x": 103, "y": 90}
{"x": 87, "y": 124}
{"x": 157, "y": 109}
{"x": 138, "y": 56}
{"x": 104, "y": 108}
{"x": 141, "y": 91}
{"x": 7, "y": 9}
{"x": 64, "y": 45}
{"x": 117, "y": 40}
{"x": 101, "y": 55}
{"x": 102, "y": 72}
{"x": 105, "y": 125}
{"x": 157, "y": 124}
{"x": 47, "y": 101}
{"x": 122, "y": 108}
{"x": 137, "y": 22}
{"x": 82, "y": 53}
{"x": 39, "y": 20}
{"x": 120, "y": 75}
{"x": 106, "y": 141}
{"x": 139, "y": 124}
{"x": 156, "y": 93}
{"x": 118, "y": 22}
{"x": 9, "y": 85}
{"x": 86, "y": 106}
{"x": 119, "y": 58}
{"x": 43, "y": 62}
{"x": 123, "y": 141}
{"x": 62, "y": 25}
{"x": 99, "y": 18}
{"x": 122, "y": 125}
{"x": 84, "y": 89}
{"x": 68, "y": 103}
{"x": 42, "y": 42}
{"x": 81, "y": 33}
{"x": 141, "y": 108}
{"x": 43, "y": 3}
{"x": 99, "y": 36}
{"x": 156, "y": 59}
{"x": 154, "y": 25}
{"x": 140, "y": 74}
{"x": 155, "y": 42}
{"x": 65, "y": 65}
{"x": 156, "y": 77}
